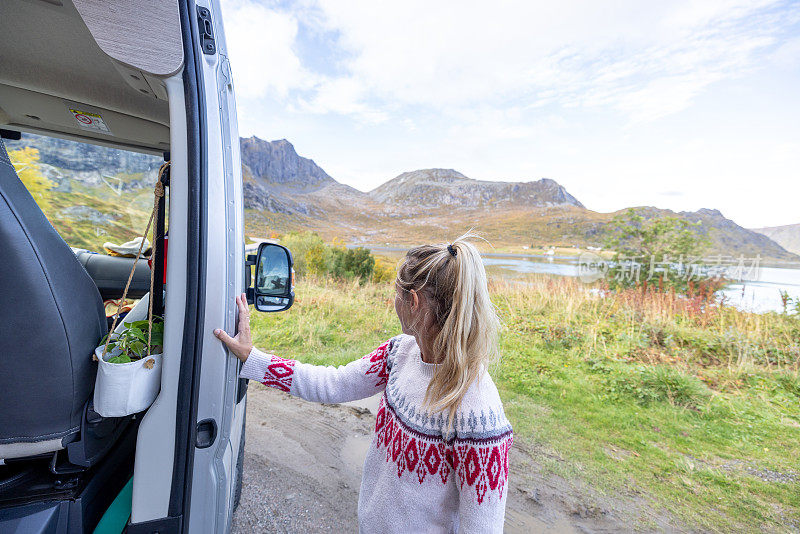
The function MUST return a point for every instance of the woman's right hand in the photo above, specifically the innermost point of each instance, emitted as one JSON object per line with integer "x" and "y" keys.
{"x": 241, "y": 344}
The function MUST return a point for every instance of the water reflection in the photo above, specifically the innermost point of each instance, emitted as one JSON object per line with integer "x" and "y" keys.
{"x": 761, "y": 295}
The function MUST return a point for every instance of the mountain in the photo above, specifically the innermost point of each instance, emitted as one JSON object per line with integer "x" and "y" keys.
{"x": 436, "y": 188}
{"x": 67, "y": 162}
{"x": 418, "y": 205}
{"x": 727, "y": 236}
{"x": 787, "y": 236}
{"x": 285, "y": 191}
{"x": 277, "y": 163}
{"x": 279, "y": 180}
{"x": 83, "y": 157}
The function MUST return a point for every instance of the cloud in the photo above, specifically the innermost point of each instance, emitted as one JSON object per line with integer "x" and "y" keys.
{"x": 261, "y": 48}
{"x": 345, "y": 96}
{"x": 642, "y": 59}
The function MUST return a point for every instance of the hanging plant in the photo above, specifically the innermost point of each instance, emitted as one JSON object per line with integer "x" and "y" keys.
{"x": 132, "y": 342}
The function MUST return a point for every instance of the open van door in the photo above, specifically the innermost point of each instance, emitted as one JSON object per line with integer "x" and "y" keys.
{"x": 148, "y": 76}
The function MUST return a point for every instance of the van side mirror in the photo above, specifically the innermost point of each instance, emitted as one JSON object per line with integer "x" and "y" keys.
{"x": 273, "y": 290}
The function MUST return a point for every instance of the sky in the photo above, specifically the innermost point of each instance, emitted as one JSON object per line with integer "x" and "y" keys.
{"x": 676, "y": 104}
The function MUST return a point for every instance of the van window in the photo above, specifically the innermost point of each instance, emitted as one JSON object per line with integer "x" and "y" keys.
{"x": 92, "y": 195}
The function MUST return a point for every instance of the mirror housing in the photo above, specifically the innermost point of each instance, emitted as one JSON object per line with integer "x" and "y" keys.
{"x": 273, "y": 288}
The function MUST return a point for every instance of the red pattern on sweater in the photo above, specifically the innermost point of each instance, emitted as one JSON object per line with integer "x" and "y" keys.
{"x": 377, "y": 360}
{"x": 279, "y": 373}
{"x": 482, "y": 465}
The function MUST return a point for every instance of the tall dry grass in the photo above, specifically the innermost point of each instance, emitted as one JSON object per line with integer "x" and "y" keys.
{"x": 669, "y": 327}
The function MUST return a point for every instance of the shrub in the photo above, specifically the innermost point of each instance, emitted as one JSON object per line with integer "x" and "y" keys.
{"x": 313, "y": 257}
{"x": 352, "y": 263}
{"x": 385, "y": 271}
{"x": 308, "y": 251}
{"x": 652, "y": 250}
{"x": 659, "y": 383}
{"x": 317, "y": 259}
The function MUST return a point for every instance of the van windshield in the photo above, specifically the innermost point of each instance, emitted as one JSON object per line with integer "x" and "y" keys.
{"x": 94, "y": 196}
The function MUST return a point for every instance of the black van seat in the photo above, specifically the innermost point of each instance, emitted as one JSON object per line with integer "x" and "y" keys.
{"x": 51, "y": 319}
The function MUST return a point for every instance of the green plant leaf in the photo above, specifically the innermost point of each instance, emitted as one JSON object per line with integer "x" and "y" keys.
{"x": 138, "y": 334}
{"x": 138, "y": 347}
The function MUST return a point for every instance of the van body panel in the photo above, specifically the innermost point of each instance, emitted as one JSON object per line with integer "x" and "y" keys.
{"x": 214, "y": 474}
{"x": 182, "y": 483}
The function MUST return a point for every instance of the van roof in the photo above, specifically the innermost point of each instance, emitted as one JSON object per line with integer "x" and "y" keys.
{"x": 56, "y": 80}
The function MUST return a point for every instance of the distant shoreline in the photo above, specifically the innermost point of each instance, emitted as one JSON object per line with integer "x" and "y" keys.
{"x": 578, "y": 252}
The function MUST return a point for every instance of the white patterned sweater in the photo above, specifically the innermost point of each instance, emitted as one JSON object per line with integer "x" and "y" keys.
{"x": 415, "y": 478}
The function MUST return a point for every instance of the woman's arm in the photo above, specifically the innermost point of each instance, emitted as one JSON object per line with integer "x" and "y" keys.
{"x": 481, "y": 470}
{"x": 357, "y": 380}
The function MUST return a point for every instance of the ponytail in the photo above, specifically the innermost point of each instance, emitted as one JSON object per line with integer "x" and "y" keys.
{"x": 453, "y": 280}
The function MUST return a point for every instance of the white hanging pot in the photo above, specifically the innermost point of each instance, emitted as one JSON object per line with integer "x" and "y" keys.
{"x": 126, "y": 388}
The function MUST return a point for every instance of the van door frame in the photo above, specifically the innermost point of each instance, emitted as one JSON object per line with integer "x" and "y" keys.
{"x": 212, "y": 165}
{"x": 192, "y": 350}
{"x": 176, "y": 520}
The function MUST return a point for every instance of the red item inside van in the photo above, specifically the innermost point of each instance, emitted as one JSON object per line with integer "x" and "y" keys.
{"x": 165, "y": 244}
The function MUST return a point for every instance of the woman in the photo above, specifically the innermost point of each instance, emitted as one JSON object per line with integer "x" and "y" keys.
{"x": 439, "y": 458}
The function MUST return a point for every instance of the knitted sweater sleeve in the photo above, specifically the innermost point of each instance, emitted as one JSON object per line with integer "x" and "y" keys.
{"x": 357, "y": 380}
{"x": 481, "y": 470}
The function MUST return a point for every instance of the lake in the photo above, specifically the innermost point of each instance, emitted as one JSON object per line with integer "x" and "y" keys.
{"x": 758, "y": 292}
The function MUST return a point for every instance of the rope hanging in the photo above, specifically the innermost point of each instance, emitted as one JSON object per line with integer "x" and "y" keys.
{"x": 158, "y": 193}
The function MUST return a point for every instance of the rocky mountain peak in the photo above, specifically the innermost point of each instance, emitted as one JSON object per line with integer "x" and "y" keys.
{"x": 430, "y": 175}
{"x": 433, "y": 188}
{"x": 710, "y": 212}
{"x": 277, "y": 162}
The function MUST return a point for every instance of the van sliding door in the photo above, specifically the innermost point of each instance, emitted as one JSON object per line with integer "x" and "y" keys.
{"x": 219, "y": 419}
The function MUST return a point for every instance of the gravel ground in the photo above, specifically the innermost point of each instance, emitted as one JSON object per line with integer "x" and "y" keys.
{"x": 303, "y": 462}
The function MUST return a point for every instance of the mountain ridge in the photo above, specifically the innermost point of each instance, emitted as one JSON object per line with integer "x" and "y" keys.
{"x": 278, "y": 163}
{"x": 787, "y": 235}
{"x": 447, "y": 187}
{"x": 285, "y": 191}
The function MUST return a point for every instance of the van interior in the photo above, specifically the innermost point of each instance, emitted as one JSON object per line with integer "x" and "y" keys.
{"x": 56, "y": 81}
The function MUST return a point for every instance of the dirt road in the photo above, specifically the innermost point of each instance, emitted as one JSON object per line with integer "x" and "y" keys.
{"x": 302, "y": 471}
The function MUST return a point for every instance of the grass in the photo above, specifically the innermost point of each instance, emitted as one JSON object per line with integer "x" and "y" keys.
{"x": 694, "y": 409}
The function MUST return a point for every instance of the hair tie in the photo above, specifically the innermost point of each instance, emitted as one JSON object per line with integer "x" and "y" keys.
{"x": 451, "y": 249}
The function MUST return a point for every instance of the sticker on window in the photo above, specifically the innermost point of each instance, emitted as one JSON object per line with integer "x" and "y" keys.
{"x": 89, "y": 121}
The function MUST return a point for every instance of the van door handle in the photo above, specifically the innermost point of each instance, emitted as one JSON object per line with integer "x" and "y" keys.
{"x": 206, "y": 433}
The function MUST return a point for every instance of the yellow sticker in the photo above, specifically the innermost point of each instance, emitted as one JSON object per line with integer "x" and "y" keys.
{"x": 89, "y": 121}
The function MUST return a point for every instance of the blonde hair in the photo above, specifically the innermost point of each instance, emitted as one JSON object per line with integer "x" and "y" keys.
{"x": 453, "y": 281}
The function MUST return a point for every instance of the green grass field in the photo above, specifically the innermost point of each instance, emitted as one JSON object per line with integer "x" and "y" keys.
{"x": 693, "y": 410}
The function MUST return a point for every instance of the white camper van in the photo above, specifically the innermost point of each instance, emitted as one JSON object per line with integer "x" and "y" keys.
{"x": 150, "y": 76}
